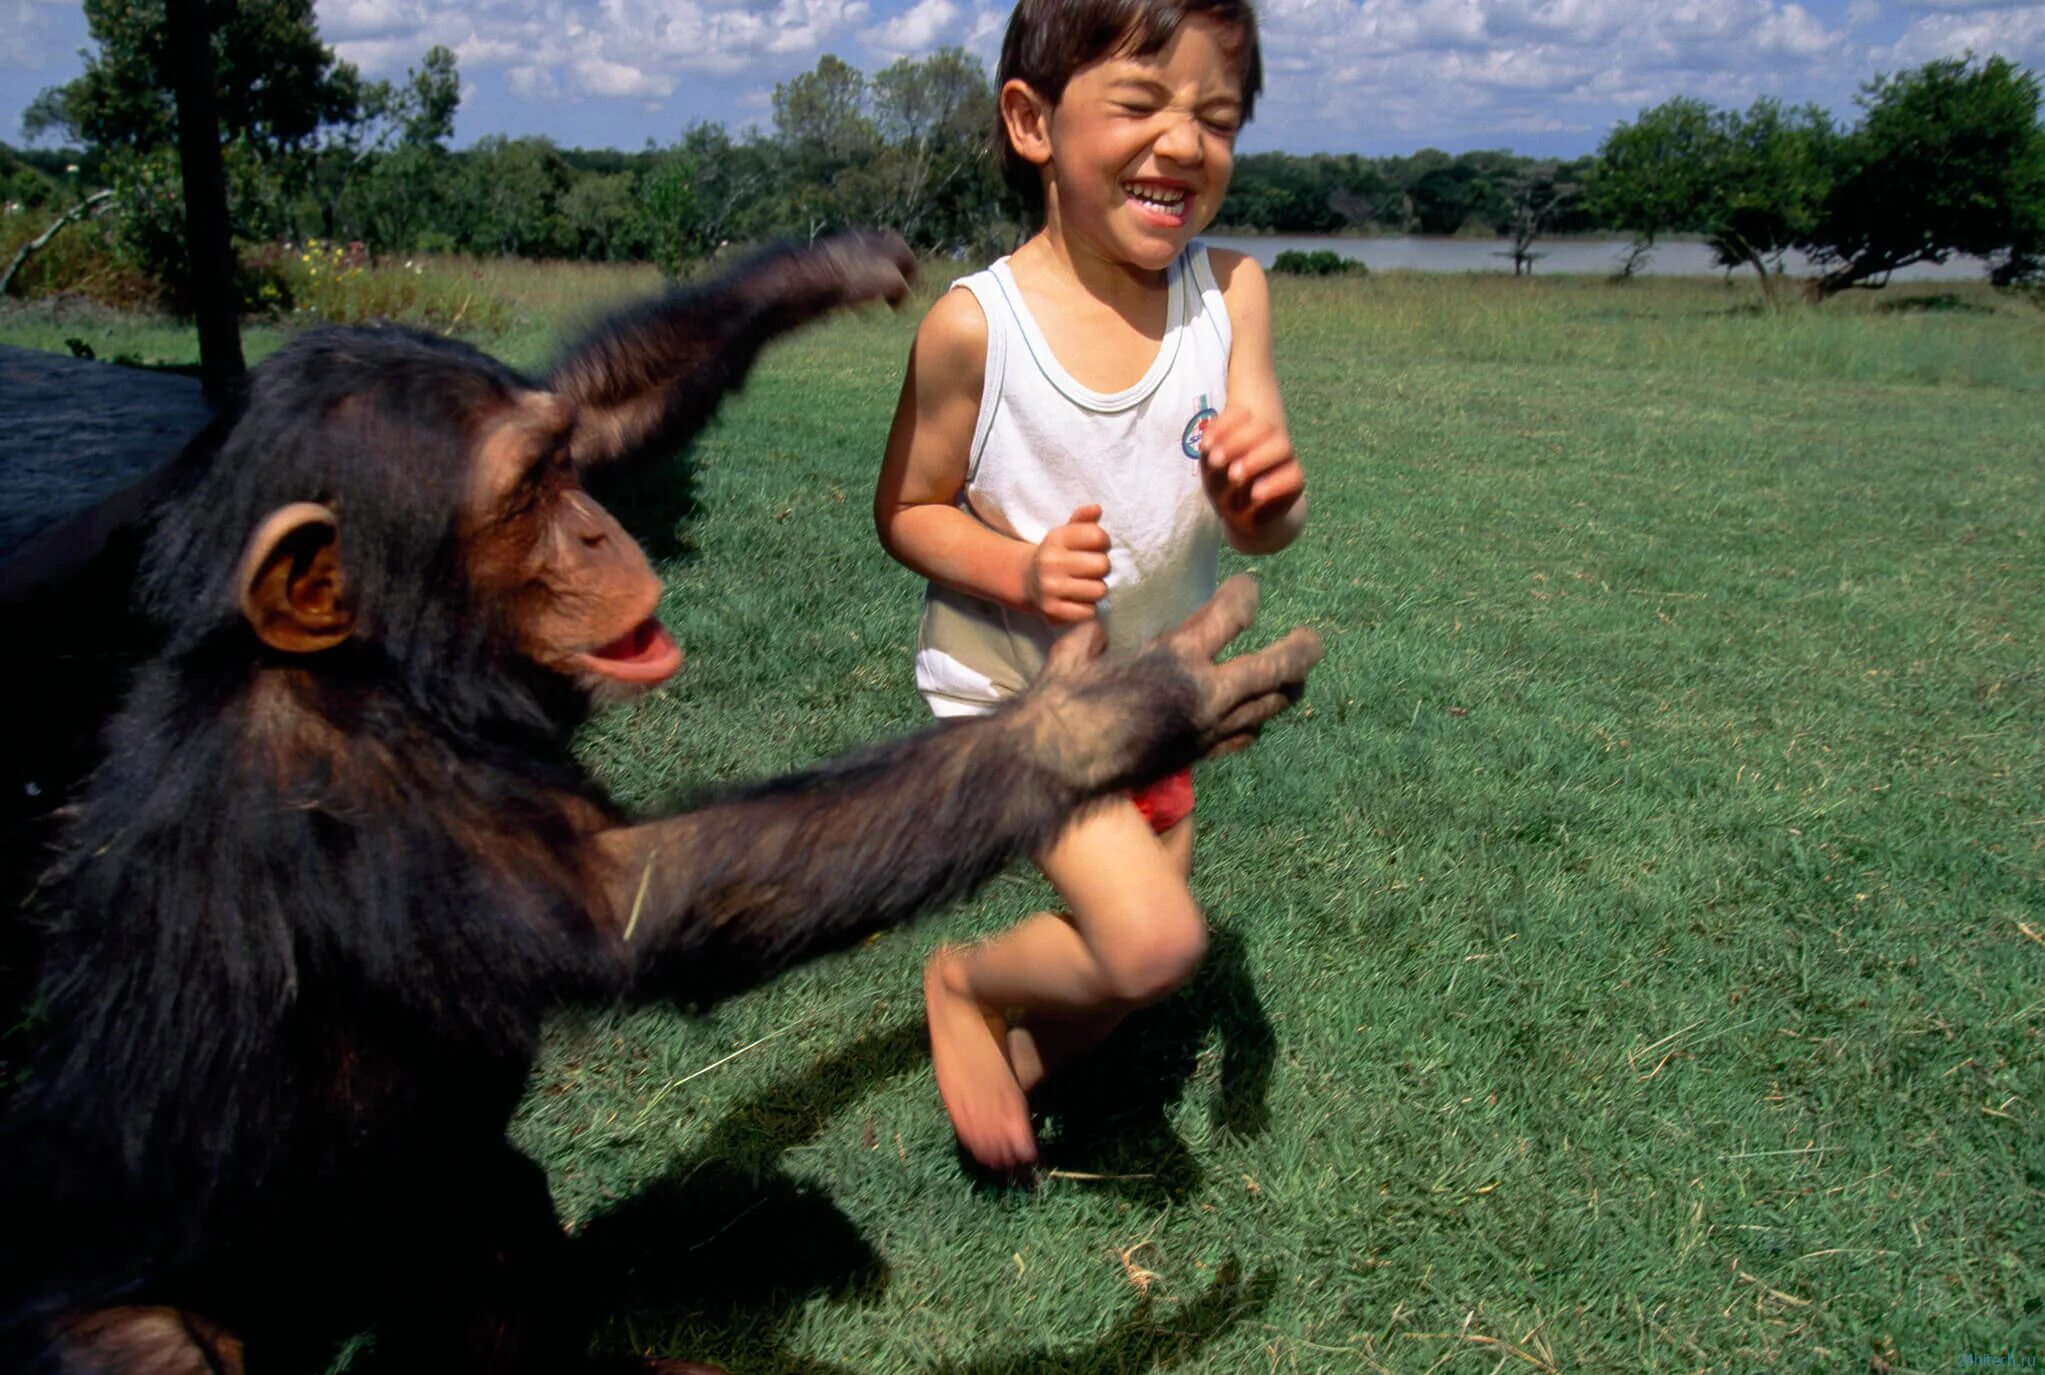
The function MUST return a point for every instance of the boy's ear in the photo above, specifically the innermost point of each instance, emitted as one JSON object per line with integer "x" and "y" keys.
{"x": 1027, "y": 117}
{"x": 292, "y": 590}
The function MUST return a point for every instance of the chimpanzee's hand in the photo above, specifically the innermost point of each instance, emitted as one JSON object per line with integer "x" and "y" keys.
{"x": 869, "y": 265}
{"x": 1100, "y": 722}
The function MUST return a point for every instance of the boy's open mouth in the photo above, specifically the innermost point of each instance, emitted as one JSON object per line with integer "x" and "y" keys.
{"x": 1165, "y": 200}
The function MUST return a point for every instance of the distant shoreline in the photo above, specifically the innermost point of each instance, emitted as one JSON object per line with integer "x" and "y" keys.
{"x": 1593, "y": 255}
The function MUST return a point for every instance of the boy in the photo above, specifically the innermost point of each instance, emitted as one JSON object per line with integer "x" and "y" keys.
{"x": 1079, "y": 428}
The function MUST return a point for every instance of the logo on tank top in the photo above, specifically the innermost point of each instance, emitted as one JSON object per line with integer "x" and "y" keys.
{"x": 1196, "y": 429}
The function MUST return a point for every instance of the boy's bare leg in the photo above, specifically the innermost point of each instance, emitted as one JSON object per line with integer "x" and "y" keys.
{"x": 1044, "y": 1040}
{"x": 1134, "y": 935}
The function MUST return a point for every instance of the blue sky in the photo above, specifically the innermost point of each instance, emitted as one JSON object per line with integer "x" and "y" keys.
{"x": 1369, "y": 76}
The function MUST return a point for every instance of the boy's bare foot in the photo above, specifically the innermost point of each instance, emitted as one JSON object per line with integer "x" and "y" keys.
{"x": 987, "y": 1107}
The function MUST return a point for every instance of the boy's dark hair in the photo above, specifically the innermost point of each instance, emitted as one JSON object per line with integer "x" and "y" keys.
{"x": 1049, "y": 40}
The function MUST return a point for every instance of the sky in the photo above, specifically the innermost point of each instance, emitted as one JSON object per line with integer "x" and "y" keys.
{"x": 1379, "y": 77}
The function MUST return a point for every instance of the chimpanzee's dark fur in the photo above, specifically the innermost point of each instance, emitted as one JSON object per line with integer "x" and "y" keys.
{"x": 311, "y": 910}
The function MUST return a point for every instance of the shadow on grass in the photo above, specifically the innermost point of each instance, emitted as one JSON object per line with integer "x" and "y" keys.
{"x": 723, "y": 1253}
{"x": 1143, "y": 1339}
{"x": 718, "y": 1259}
{"x": 1108, "y": 1113}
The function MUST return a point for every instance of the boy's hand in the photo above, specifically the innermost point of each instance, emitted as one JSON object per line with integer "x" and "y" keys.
{"x": 1250, "y": 471}
{"x": 1068, "y": 572}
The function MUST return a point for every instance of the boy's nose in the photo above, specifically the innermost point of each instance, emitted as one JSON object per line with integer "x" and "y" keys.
{"x": 1181, "y": 140}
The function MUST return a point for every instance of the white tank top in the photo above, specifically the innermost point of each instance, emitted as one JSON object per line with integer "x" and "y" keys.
{"x": 1044, "y": 445}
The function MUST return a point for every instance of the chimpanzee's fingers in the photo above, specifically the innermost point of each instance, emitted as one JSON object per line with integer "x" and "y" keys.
{"x": 871, "y": 265}
{"x": 1227, "y": 614}
{"x": 1279, "y": 668}
{"x": 1078, "y": 646}
{"x": 1234, "y": 743}
{"x": 1241, "y": 725}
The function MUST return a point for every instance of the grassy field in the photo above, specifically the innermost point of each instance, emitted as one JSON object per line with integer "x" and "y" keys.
{"x": 1631, "y": 957}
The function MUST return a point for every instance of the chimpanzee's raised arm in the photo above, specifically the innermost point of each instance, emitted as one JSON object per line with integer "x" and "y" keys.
{"x": 713, "y": 900}
{"x": 645, "y": 380}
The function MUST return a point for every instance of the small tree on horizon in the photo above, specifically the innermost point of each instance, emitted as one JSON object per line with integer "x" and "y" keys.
{"x": 1949, "y": 158}
{"x": 1751, "y": 182}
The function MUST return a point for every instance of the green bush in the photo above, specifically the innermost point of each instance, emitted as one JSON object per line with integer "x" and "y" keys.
{"x": 1321, "y": 262}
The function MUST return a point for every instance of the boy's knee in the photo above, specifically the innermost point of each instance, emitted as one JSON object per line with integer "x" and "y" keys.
{"x": 1159, "y": 955}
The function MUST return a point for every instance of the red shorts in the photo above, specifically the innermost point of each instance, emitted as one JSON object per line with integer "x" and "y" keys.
{"x": 1167, "y": 802}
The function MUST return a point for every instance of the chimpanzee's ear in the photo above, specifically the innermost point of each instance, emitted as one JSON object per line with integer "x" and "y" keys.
{"x": 292, "y": 589}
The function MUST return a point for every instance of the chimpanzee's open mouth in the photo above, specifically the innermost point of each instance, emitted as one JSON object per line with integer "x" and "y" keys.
{"x": 644, "y": 654}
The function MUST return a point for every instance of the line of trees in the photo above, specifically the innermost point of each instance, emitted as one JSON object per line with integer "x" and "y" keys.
{"x": 313, "y": 150}
{"x": 1948, "y": 158}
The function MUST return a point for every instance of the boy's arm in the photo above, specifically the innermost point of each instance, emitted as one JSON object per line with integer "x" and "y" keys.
{"x": 915, "y": 504}
{"x": 1253, "y": 476}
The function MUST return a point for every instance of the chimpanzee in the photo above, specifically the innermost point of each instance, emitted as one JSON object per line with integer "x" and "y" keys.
{"x": 339, "y": 861}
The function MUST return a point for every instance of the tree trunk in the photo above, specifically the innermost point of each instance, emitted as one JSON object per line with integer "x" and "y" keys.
{"x": 1744, "y": 252}
{"x": 216, "y": 303}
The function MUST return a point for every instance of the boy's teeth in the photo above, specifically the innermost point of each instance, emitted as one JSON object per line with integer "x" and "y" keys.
{"x": 1163, "y": 200}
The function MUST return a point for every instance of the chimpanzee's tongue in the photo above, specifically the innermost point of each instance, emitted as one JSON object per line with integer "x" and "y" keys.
{"x": 645, "y": 652}
{"x": 636, "y": 643}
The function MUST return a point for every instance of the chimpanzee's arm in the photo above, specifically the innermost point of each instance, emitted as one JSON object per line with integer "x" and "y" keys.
{"x": 712, "y": 900}
{"x": 647, "y": 379}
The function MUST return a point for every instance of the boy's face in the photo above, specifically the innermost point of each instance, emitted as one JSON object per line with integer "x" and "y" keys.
{"x": 1141, "y": 147}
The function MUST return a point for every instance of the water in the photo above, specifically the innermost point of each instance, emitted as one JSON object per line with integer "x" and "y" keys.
{"x": 1592, "y": 257}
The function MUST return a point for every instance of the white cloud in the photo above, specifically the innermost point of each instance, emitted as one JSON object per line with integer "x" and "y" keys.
{"x": 2017, "y": 33}
{"x": 925, "y": 25}
{"x": 342, "y": 20}
{"x": 550, "y": 49}
{"x": 1456, "y": 70}
{"x": 600, "y": 76}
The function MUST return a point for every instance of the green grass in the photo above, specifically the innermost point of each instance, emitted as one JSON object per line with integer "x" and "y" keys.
{"x": 1630, "y": 957}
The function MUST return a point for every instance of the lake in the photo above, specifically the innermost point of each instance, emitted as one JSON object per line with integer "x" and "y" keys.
{"x": 1594, "y": 257}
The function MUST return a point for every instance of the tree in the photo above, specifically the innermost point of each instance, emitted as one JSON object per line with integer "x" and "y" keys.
{"x": 670, "y": 225}
{"x": 1773, "y": 169}
{"x": 602, "y": 216}
{"x": 1751, "y": 183}
{"x": 821, "y": 114}
{"x": 384, "y": 178}
{"x": 1536, "y": 196}
{"x": 934, "y": 177}
{"x": 943, "y": 99}
{"x": 508, "y": 198}
{"x": 1949, "y": 158}
{"x": 729, "y": 183}
{"x": 278, "y": 91}
{"x": 278, "y": 84}
{"x": 424, "y": 106}
{"x": 1651, "y": 174}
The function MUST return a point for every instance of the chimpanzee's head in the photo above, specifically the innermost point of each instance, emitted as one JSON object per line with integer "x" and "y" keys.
{"x": 391, "y": 507}
{"x": 409, "y": 500}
